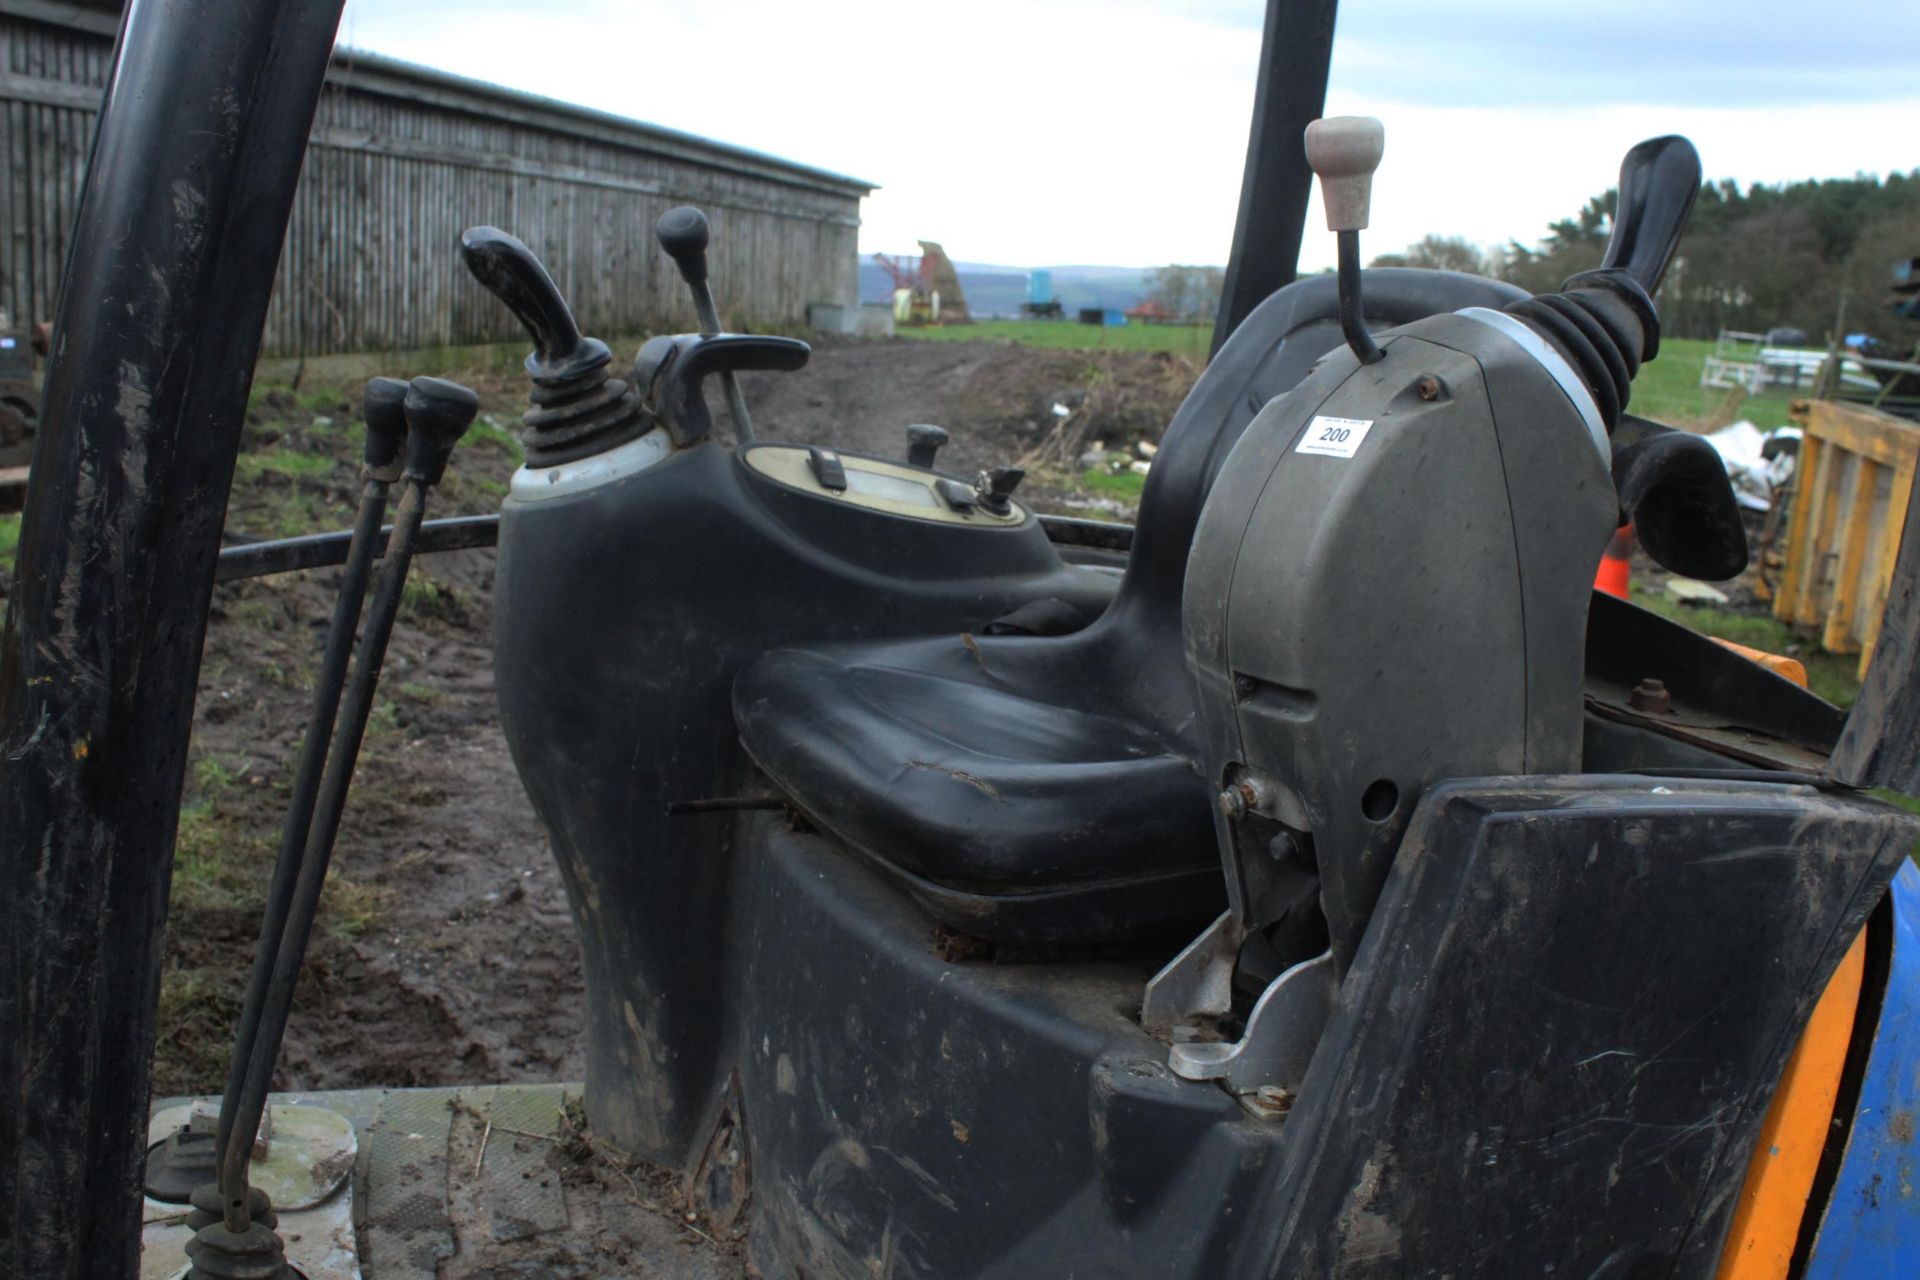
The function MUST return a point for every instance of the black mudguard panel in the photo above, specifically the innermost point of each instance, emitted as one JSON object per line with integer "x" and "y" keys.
{"x": 1564, "y": 1026}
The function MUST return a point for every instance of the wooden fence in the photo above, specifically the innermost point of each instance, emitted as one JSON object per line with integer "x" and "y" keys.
{"x": 401, "y": 161}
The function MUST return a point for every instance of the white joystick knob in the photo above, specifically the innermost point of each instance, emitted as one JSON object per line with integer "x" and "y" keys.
{"x": 1344, "y": 151}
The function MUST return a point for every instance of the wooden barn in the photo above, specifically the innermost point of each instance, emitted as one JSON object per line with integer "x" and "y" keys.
{"x": 403, "y": 159}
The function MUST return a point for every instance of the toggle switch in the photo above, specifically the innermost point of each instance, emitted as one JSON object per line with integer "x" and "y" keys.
{"x": 827, "y": 468}
{"x": 961, "y": 497}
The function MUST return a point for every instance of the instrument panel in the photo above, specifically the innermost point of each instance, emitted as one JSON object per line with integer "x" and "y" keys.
{"x": 878, "y": 485}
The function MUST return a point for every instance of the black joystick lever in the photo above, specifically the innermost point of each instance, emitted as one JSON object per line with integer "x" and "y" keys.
{"x": 1659, "y": 181}
{"x": 1604, "y": 321}
{"x": 509, "y": 269}
{"x": 685, "y": 233}
{"x": 923, "y": 443}
{"x": 577, "y": 409}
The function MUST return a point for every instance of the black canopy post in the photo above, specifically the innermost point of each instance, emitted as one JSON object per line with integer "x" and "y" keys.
{"x": 173, "y": 256}
{"x": 1292, "y": 92}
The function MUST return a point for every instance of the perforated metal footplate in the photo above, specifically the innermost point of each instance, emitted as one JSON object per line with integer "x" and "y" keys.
{"x": 482, "y": 1183}
{"x": 403, "y": 1216}
{"x": 512, "y": 1188}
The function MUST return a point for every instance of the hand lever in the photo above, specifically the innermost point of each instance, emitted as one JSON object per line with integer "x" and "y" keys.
{"x": 505, "y": 265}
{"x": 670, "y": 371}
{"x": 1674, "y": 489}
{"x": 684, "y": 233}
{"x": 1344, "y": 151}
{"x": 923, "y": 443}
{"x": 577, "y": 410}
{"x": 384, "y": 407}
{"x": 437, "y": 414}
{"x": 386, "y": 421}
{"x": 1659, "y": 181}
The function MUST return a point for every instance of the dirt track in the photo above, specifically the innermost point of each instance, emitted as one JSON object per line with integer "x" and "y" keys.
{"x": 445, "y": 953}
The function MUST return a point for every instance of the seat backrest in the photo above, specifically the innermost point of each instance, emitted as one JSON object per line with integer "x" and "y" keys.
{"x": 1267, "y": 355}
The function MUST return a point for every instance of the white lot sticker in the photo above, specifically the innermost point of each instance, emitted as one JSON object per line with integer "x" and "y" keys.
{"x": 1334, "y": 437}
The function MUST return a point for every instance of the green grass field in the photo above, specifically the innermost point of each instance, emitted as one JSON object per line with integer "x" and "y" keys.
{"x": 1668, "y": 390}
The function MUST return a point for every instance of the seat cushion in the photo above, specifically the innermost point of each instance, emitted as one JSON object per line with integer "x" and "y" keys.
{"x": 911, "y": 752}
{"x": 1047, "y": 787}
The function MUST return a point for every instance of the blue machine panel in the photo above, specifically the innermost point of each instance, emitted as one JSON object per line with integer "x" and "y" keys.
{"x": 1872, "y": 1227}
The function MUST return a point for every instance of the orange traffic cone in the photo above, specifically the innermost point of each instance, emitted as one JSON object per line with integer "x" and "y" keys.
{"x": 1616, "y": 566}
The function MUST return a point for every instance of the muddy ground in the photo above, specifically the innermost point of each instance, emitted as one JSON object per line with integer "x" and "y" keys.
{"x": 445, "y": 954}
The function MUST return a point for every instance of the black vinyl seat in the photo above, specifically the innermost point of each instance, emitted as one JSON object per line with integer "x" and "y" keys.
{"x": 1046, "y": 789}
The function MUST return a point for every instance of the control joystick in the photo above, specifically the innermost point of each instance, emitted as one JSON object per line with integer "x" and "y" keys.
{"x": 670, "y": 368}
{"x": 684, "y": 233}
{"x": 924, "y": 441}
{"x": 384, "y": 408}
{"x": 1344, "y": 151}
{"x": 1604, "y": 321}
{"x": 577, "y": 408}
{"x": 438, "y": 414}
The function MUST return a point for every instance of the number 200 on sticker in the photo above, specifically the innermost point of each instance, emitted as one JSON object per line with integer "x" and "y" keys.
{"x": 1334, "y": 437}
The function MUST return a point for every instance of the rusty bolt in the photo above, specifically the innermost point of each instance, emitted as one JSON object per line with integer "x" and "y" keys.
{"x": 1428, "y": 387}
{"x": 1269, "y": 1102}
{"x": 1651, "y": 696}
{"x": 1233, "y": 802}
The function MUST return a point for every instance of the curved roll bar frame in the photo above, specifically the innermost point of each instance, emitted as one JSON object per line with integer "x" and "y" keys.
{"x": 189, "y": 185}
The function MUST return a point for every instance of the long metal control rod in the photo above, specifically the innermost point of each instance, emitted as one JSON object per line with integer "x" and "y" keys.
{"x": 437, "y": 414}
{"x": 386, "y": 433}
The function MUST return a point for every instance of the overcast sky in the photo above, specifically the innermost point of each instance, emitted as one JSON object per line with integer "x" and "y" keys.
{"x": 1031, "y": 132}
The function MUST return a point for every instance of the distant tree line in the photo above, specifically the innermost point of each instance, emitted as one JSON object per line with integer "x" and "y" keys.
{"x": 1762, "y": 258}
{"x": 1187, "y": 293}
